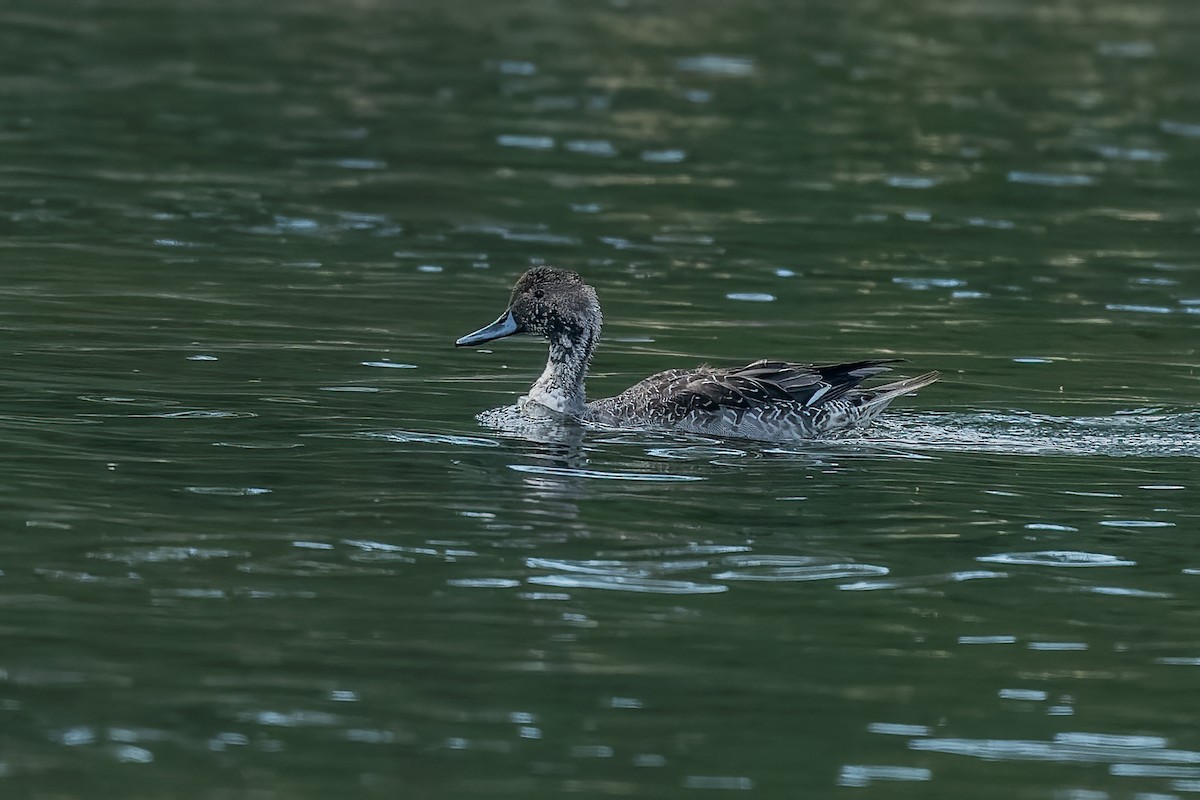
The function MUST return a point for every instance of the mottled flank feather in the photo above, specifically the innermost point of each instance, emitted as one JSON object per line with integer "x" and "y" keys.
{"x": 766, "y": 400}
{"x": 773, "y": 400}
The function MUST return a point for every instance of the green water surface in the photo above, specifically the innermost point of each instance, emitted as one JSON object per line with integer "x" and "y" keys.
{"x": 256, "y": 544}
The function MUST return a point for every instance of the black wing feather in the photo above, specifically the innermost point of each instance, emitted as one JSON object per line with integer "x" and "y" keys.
{"x": 678, "y": 393}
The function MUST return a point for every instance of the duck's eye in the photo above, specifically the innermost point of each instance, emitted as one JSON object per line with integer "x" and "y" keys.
{"x": 539, "y": 294}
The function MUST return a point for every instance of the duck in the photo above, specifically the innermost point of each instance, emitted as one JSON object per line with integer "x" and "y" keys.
{"x": 766, "y": 400}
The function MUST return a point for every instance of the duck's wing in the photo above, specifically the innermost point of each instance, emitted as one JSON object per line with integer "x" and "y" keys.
{"x": 672, "y": 395}
{"x": 772, "y": 382}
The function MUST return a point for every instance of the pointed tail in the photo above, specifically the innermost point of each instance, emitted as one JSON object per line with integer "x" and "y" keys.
{"x": 880, "y": 397}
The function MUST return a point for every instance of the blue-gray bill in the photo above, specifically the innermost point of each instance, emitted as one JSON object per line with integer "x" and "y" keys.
{"x": 505, "y": 326}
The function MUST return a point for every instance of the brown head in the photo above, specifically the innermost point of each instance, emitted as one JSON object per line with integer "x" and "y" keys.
{"x": 552, "y": 303}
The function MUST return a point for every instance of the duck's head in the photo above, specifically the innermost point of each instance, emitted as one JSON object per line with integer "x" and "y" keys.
{"x": 553, "y": 303}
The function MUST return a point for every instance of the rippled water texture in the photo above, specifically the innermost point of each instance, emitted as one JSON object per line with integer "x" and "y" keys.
{"x": 257, "y": 543}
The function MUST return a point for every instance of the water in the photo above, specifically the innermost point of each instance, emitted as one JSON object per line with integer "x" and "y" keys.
{"x": 259, "y": 546}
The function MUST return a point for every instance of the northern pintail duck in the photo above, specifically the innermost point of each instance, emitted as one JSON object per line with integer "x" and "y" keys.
{"x": 766, "y": 400}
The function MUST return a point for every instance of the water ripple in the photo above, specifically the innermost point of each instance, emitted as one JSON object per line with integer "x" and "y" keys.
{"x": 923, "y": 284}
{"x": 692, "y": 550}
{"x": 1122, "y": 591}
{"x": 898, "y": 729}
{"x": 627, "y": 584}
{"x": 483, "y": 583}
{"x": 922, "y": 581}
{"x": 1130, "y": 153}
{"x": 695, "y": 452}
{"x": 31, "y": 420}
{"x": 1058, "y": 558}
{"x": 617, "y": 574}
{"x": 227, "y": 491}
{"x": 794, "y": 568}
{"x": 728, "y": 66}
{"x": 258, "y": 446}
{"x": 1153, "y": 771}
{"x": 405, "y": 437}
{"x": 1049, "y": 179}
{"x": 1178, "y": 661}
{"x": 1188, "y": 129}
{"x": 526, "y": 142}
{"x": 864, "y": 774}
{"x": 197, "y": 414}
{"x": 592, "y": 147}
{"x": 165, "y": 554}
{"x": 1079, "y": 748}
{"x": 388, "y": 364}
{"x": 1001, "y": 638}
{"x": 664, "y": 157}
{"x": 615, "y": 566}
{"x": 579, "y": 472}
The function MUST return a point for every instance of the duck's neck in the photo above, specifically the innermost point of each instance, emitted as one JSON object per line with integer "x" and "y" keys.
{"x": 561, "y": 386}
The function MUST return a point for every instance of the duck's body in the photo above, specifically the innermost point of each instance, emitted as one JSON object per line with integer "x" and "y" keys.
{"x": 765, "y": 400}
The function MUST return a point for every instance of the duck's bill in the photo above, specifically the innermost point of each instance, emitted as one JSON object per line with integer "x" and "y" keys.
{"x": 505, "y": 326}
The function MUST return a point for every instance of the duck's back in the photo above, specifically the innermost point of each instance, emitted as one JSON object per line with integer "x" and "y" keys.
{"x": 768, "y": 400}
